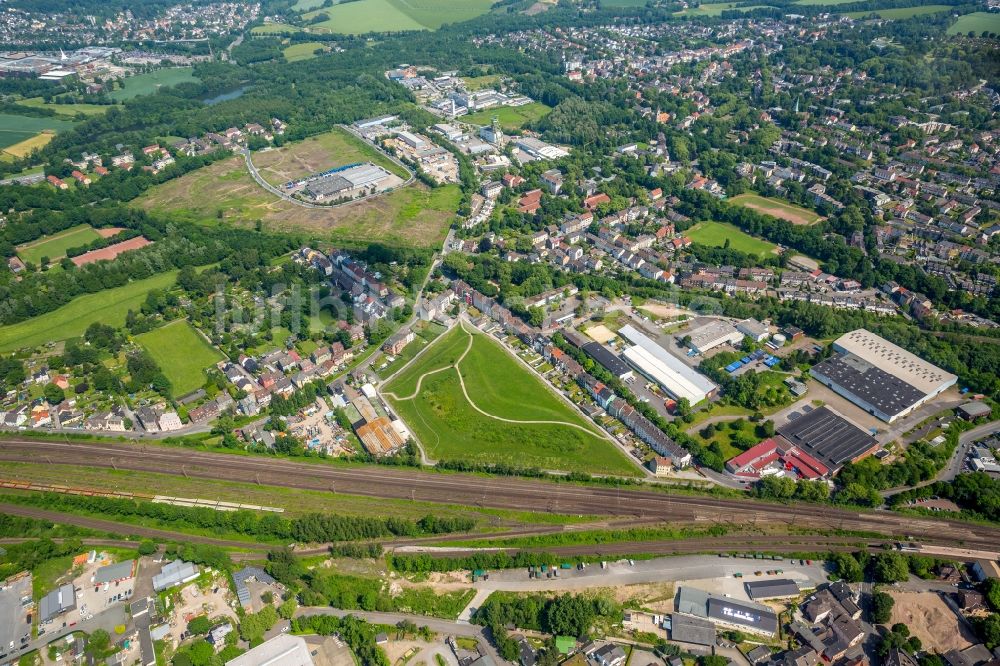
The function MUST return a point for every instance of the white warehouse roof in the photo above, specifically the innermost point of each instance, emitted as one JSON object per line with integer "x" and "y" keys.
{"x": 652, "y": 360}
{"x": 894, "y": 360}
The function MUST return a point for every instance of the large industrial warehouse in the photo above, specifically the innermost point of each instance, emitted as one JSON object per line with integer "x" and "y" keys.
{"x": 829, "y": 437}
{"x": 662, "y": 367}
{"x": 879, "y": 377}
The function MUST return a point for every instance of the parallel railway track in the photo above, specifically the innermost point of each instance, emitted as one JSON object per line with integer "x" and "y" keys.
{"x": 492, "y": 492}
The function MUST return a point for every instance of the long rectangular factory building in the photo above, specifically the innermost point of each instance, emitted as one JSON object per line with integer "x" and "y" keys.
{"x": 671, "y": 373}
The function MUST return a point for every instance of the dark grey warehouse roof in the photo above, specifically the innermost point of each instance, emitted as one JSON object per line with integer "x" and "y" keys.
{"x": 828, "y": 436}
{"x": 691, "y": 630}
{"x": 886, "y": 392}
{"x": 606, "y": 358}
{"x": 772, "y": 589}
{"x": 745, "y": 614}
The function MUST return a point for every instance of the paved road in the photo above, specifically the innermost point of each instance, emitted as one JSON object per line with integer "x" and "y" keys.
{"x": 106, "y": 620}
{"x": 954, "y": 467}
{"x": 443, "y": 627}
{"x": 248, "y": 158}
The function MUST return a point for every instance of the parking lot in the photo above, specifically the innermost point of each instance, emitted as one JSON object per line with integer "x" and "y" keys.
{"x": 92, "y": 598}
{"x": 15, "y": 605}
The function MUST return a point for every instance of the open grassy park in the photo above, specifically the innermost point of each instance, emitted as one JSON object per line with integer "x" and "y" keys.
{"x": 428, "y": 396}
{"x": 976, "y": 23}
{"x": 511, "y": 117}
{"x": 182, "y": 353}
{"x": 146, "y": 84}
{"x": 777, "y": 208}
{"x": 364, "y": 16}
{"x": 414, "y": 216}
{"x": 717, "y": 233}
{"x": 715, "y": 9}
{"x": 54, "y": 247}
{"x": 71, "y": 320}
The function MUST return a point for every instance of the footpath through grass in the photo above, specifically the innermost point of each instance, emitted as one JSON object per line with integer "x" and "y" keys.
{"x": 451, "y": 428}
{"x": 71, "y": 320}
{"x": 182, "y": 353}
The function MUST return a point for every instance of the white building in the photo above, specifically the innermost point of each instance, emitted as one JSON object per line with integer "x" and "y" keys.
{"x": 282, "y": 650}
{"x": 656, "y": 363}
{"x": 716, "y": 332}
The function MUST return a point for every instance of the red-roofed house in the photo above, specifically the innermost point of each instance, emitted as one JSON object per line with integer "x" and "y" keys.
{"x": 776, "y": 455}
{"x": 593, "y": 201}
{"x": 57, "y": 183}
{"x": 530, "y": 202}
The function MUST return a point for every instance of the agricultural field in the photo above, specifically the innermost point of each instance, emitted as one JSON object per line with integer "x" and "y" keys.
{"x": 715, "y": 9}
{"x": 465, "y": 398}
{"x": 319, "y": 153}
{"x": 26, "y": 147}
{"x": 414, "y": 216}
{"x": 182, "y": 353}
{"x": 71, "y": 320}
{"x": 824, "y": 2}
{"x": 301, "y": 51}
{"x": 717, "y": 233}
{"x": 16, "y": 128}
{"x": 69, "y": 110}
{"x": 976, "y": 23}
{"x": 365, "y": 16}
{"x": 777, "y": 208}
{"x": 147, "y": 84}
{"x": 306, "y": 5}
{"x": 900, "y": 13}
{"x": 511, "y": 117}
{"x": 54, "y": 247}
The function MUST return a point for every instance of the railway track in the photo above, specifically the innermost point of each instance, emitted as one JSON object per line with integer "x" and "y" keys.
{"x": 490, "y": 492}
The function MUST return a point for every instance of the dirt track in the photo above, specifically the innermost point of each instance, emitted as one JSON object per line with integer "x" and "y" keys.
{"x": 509, "y": 493}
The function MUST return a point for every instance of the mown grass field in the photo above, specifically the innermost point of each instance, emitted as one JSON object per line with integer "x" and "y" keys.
{"x": 717, "y": 233}
{"x": 777, "y": 208}
{"x": 276, "y": 29}
{"x": 716, "y": 9}
{"x": 146, "y": 84}
{"x": 824, "y": 2}
{"x": 900, "y": 13}
{"x": 319, "y": 153}
{"x": 301, "y": 51}
{"x": 182, "y": 353}
{"x": 69, "y": 110}
{"x": 977, "y": 23}
{"x": 54, "y": 247}
{"x": 15, "y": 128}
{"x": 450, "y": 428}
{"x": 395, "y": 15}
{"x": 71, "y": 320}
{"x": 480, "y": 82}
{"x": 414, "y": 216}
{"x": 511, "y": 117}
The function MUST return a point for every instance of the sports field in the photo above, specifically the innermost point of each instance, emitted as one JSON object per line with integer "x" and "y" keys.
{"x": 319, "y": 153}
{"x": 901, "y": 13}
{"x": 181, "y": 353}
{"x": 15, "y": 128}
{"x": 511, "y": 117}
{"x": 146, "y": 84}
{"x": 414, "y": 216}
{"x": 71, "y": 320}
{"x": 276, "y": 29}
{"x": 977, "y": 23}
{"x": 465, "y": 398}
{"x": 301, "y": 51}
{"x": 717, "y": 233}
{"x": 777, "y": 208}
{"x": 54, "y": 247}
{"x": 395, "y": 15}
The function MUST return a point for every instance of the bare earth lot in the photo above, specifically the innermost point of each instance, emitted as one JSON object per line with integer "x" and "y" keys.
{"x": 930, "y": 620}
{"x": 776, "y": 208}
{"x": 415, "y": 215}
